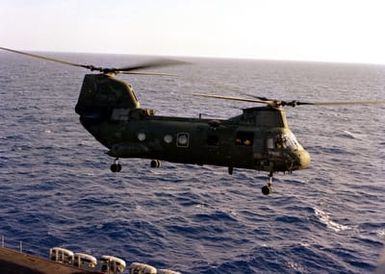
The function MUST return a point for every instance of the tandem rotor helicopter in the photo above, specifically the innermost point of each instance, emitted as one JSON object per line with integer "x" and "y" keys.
{"x": 257, "y": 139}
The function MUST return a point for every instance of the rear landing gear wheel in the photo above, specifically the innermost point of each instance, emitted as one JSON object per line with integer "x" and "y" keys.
{"x": 230, "y": 170}
{"x": 116, "y": 167}
{"x": 267, "y": 189}
{"x": 155, "y": 163}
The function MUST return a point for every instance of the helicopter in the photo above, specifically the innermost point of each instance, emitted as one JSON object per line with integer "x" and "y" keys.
{"x": 258, "y": 139}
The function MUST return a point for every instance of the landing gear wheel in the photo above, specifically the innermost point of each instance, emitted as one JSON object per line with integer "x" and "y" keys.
{"x": 116, "y": 167}
{"x": 155, "y": 163}
{"x": 267, "y": 189}
{"x": 230, "y": 170}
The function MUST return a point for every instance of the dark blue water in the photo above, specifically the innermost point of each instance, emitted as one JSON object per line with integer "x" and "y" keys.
{"x": 57, "y": 190}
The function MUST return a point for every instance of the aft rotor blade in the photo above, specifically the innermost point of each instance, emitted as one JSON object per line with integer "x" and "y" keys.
{"x": 233, "y": 98}
{"x": 148, "y": 73}
{"x": 47, "y": 58}
{"x": 152, "y": 64}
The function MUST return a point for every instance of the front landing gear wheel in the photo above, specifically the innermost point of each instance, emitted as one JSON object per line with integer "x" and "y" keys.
{"x": 116, "y": 167}
{"x": 267, "y": 189}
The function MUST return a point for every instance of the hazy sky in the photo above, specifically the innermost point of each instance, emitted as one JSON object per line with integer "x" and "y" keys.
{"x": 323, "y": 30}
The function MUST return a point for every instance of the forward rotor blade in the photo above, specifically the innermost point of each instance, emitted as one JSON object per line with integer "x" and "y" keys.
{"x": 331, "y": 103}
{"x": 278, "y": 103}
{"x": 233, "y": 98}
{"x": 340, "y": 103}
{"x": 256, "y": 97}
{"x": 47, "y": 58}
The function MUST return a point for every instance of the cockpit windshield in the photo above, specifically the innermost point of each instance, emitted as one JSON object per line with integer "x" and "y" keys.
{"x": 287, "y": 140}
{"x": 291, "y": 141}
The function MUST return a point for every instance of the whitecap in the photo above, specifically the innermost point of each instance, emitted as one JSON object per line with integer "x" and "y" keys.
{"x": 295, "y": 266}
{"x": 381, "y": 233}
{"x": 325, "y": 218}
{"x": 351, "y": 135}
{"x": 200, "y": 206}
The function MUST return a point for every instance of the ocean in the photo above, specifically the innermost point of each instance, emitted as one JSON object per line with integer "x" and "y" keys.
{"x": 57, "y": 189}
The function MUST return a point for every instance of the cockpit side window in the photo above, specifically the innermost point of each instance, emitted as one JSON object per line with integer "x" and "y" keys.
{"x": 244, "y": 138}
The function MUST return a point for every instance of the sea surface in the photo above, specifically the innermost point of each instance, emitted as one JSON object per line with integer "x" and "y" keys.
{"x": 56, "y": 188}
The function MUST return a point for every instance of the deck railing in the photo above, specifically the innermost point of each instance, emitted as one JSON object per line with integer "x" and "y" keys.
{"x": 19, "y": 246}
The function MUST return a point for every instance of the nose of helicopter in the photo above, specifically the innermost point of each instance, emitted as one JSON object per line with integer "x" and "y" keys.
{"x": 303, "y": 158}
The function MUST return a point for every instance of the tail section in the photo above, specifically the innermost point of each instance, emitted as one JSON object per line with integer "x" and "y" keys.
{"x": 101, "y": 93}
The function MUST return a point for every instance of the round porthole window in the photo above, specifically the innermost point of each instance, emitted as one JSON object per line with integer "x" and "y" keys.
{"x": 141, "y": 137}
{"x": 183, "y": 140}
{"x": 167, "y": 139}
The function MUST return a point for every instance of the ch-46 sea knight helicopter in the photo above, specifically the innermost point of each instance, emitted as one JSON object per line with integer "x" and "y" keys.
{"x": 259, "y": 138}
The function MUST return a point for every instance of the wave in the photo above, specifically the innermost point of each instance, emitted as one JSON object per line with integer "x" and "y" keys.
{"x": 325, "y": 219}
{"x": 352, "y": 136}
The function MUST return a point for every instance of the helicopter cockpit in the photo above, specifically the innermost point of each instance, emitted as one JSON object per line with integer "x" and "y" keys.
{"x": 287, "y": 153}
{"x": 285, "y": 140}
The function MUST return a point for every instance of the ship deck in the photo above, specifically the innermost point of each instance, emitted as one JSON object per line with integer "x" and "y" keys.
{"x": 14, "y": 262}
